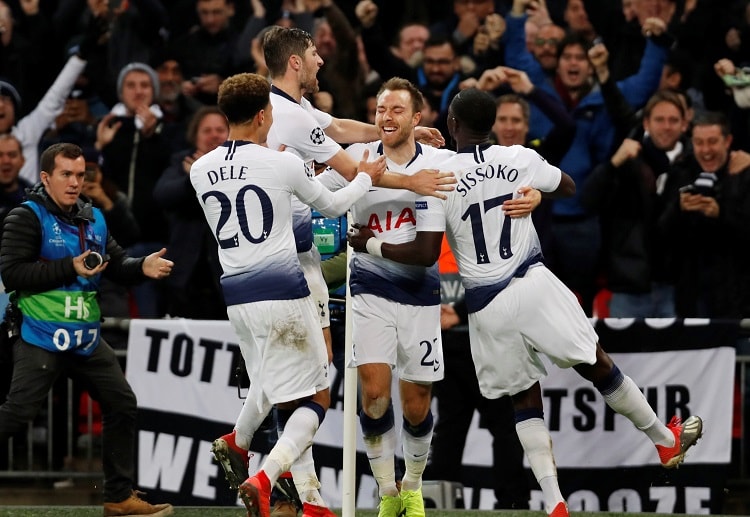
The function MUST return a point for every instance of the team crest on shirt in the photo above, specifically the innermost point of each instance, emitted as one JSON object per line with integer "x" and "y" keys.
{"x": 317, "y": 136}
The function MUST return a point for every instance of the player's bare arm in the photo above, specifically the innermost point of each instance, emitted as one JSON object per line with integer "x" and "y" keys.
{"x": 348, "y": 131}
{"x": 426, "y": 182}
{"x": 524, "y": 205}
{"x": 566, "y": 188}
{"x": 424, "y": 250}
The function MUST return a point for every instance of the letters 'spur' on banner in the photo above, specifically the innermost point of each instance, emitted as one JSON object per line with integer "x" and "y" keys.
{"x": 183, "y": 372}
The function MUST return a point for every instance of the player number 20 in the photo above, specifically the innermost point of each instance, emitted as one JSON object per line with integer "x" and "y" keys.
{"x": 266, "y": 210}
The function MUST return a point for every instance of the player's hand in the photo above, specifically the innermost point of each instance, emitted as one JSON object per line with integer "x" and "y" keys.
{"x": 432, "y": 182}
{"x": 429, "y": 136}
{"x": 524, "y": 205}
{"x": 357, "y": 237}
{"x": 448, "y": 317}
{"x": 375, "y": 169}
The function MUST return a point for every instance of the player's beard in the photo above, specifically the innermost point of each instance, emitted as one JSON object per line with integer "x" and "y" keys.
{"x": 396, "y": 140}
{"x": 309, "y": 82}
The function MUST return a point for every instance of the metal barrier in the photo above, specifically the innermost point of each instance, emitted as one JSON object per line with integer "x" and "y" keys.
{"x": 35, "y": 457}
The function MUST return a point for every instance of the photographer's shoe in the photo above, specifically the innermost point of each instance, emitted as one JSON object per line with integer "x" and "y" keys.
{"x": 134, "y": 506}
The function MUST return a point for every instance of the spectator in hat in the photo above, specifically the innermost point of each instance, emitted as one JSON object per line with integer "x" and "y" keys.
{"x": 177, "y": 108}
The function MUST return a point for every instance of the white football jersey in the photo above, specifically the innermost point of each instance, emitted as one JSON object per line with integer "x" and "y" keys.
{"x": 490, "y": 248}
{"x": 390, "y": 214}
{"x": 301, "y": 128}
{"x": 246, "y": 193}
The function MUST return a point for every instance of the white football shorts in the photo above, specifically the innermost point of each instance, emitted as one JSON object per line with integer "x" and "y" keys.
{"x": 283, "y": 348}
{"x": 406, "y": 337}
{"x": 536, "y": 314}
{"x": 310, "y": 262}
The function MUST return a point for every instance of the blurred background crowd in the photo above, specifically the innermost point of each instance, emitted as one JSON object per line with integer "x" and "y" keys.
{"x": 612, "y": 91}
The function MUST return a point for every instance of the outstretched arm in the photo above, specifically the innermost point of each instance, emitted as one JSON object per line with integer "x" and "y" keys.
{"x": 427, "y": 182}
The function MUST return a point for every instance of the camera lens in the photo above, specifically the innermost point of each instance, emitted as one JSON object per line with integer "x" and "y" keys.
{"x": 93, "y": 260}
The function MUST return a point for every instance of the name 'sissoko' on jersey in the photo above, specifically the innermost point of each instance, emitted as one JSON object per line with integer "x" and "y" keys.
{"x": 486, "y": 171}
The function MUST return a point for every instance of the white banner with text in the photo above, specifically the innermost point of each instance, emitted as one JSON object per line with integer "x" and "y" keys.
{"x": 185, "y": 375}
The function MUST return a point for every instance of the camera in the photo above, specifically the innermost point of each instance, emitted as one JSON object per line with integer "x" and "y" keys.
{"x": 94, "y": 260}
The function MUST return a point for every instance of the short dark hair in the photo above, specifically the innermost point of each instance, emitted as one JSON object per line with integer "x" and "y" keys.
{"x": 572, "y": 39}
{"x": 242, "y": 96}
{"x": 438, "y": 40}
{"x": 513, "y": 98}
{"x": 399, "y": 83}
{"x": 67, "y": 150}
{"x": 680, "y": 62}
{"x": 280, "y": 43}
{"x": 713, "y": 118}
{"x": 475, "y": 109}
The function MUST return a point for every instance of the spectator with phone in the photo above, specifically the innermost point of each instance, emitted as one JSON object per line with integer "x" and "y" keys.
{"x": 709, "y": 220}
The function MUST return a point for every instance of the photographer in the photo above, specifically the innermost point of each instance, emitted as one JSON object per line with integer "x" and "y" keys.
{"x": 709, "y": 214}
{"x": 54, "y": 250}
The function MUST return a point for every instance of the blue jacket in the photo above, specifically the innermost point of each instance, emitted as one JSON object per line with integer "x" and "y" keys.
{"x": 595, "y": 131}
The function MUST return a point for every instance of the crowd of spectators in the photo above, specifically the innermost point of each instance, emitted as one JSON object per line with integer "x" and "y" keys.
{"x": 645, "y": 103}
{"x": 125, "y": 80}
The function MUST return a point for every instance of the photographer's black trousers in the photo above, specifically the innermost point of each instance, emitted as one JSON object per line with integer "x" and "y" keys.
{"x": 35, "y": 371}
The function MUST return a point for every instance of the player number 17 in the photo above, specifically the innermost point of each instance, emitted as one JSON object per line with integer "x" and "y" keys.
{"x": 474, "y": 212}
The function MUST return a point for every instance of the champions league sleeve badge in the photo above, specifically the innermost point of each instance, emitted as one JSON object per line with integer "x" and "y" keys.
{"x": 317, "y": 136}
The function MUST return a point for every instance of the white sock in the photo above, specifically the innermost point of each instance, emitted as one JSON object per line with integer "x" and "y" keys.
{"x": 297, "y": 436}
{"x": 306, "y": 479}
{"x": 537, "y": 444}
{"x": 416, "y": 452}
{"x": 628, "y": 400}
{"x": 249, "y": 420}
{"x": 381, "y": 450}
